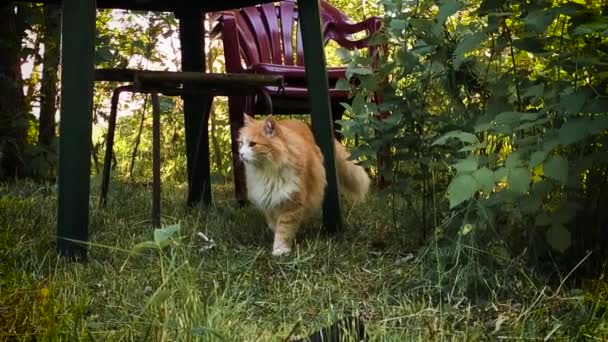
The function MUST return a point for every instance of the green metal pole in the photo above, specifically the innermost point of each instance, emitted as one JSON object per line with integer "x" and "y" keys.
{"x": 77, "y": 66}
{"x": 155, "y": 161}
{"x": 196, "y": 109}
{"x": 316, "y": 74}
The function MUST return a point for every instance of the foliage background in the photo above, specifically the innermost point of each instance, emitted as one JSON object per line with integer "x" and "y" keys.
{"x": 490, "y": 138}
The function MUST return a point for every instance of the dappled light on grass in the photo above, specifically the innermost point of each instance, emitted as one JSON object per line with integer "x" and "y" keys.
{"x": 168, "y": 284}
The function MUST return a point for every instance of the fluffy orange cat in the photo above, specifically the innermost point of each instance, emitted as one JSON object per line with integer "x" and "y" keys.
{"x": 286, "y": 177}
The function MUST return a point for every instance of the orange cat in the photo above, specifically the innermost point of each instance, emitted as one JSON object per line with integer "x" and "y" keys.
{"x": 286, "y": 176}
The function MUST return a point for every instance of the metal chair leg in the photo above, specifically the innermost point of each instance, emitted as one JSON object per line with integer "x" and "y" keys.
{"x": 236, "y": 107}
{"x": 155, "y": 161}
{"x": 107, "y": 160}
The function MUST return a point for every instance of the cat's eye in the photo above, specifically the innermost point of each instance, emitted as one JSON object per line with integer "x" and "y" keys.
{"x": 251, "y": 144}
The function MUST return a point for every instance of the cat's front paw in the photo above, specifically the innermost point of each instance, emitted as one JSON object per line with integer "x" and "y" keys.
{"x": 280, "y": 250}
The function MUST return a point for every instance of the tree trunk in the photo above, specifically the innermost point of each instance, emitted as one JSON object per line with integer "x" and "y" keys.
{"x": 48, "y": 88}
{"x": 13, "y": 121}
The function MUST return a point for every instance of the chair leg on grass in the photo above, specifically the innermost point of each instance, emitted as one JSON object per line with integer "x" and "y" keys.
{"x": 107, "y": 160}
{"x": 155, "y": 161}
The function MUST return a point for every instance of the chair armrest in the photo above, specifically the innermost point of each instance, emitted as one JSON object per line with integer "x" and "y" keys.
{"x": 341, "y": 31}
{"x": 371, "y": 25}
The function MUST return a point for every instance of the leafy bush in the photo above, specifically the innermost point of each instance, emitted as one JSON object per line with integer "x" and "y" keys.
{"x": 502, "y": 105}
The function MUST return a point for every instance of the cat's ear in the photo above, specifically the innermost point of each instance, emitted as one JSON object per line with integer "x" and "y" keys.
{"x": 247, "y": 119}
{"x": 269, "y": 125}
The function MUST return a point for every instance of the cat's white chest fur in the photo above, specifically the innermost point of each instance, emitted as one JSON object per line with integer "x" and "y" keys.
{"x": 268, "y": 188}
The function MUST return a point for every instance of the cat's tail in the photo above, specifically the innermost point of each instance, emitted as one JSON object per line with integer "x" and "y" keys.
{"x": 353, "y": 181}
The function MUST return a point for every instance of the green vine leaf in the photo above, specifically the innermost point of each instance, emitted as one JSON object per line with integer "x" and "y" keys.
{"x": 519, "y": 180}
{"x": 485, "y": 179}
{"x": 461, "y": 188}
{"x": 448, "y": 8}
{"x": 574, "y": 131}
{"x": 468, "y": 43}
{"x": 557, "y": 168}
{"x": 559, "y": 237}
{"x": 468, "y": 165}
{"x": 459, "y": 135}
{"x": 537, "y": 158}
{"x": 539, "y": 20}
{"x": 342, "y": 84}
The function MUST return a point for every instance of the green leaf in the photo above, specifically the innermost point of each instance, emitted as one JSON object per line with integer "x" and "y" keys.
{"x": 557, "y": 168}
{"x": 461, "y": 188}
{"x": 573, "y": 103}
{"x": 358, "y": 104}
{"x": 513, "y": 160}
{"x": 566, "y": 212}
{"x": 508, "y": 118}
{"x": 368, "y": 82}
{"x": 342, "y": 84}
{"x": 158, "y": 297}
{"x": 530, "y": 44}
{"x": 550, "y": 144}
{"x": 473, "y": 147}
{"x": 558, "y": 237}
{"x": 537, "y": 158}
{"x": 534, "y": 91}
{"x": 599, "y": 125}
{"x": 542, "y": 220}
{"x": 539, "y": 20}
{"x": 531, "y": 204}
{"x": 103, "y": 54}
{"x": 501, "y": 174}
{"x": 574, "y": 131}
{"x": 448, "y": 8}
{"x": 394, "y": 118}
{"x": 460, "y": 135}
{"x": 489, "y": 6}
{"x": 529, "y": 116}
{"x": 162, "y": 235}
{"x": 485, "y": 178}
{"x": 519, "y": 180}
{"x": 590, "y": 27}
{"x": 397, "y": 26}
{"x": 468, "y": 43}
{"x": 344, "y": 55}
{"x": 142, "y": 246}
{"x": 360, "y": 71}
{"x": 466, "y": 229}
{"x": 468, "y": 165}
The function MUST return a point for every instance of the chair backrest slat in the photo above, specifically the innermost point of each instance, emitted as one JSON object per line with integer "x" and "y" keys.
{"x": 287, "y": 13}
{"x": 271, "y": 33}
{"x": 271, "y": 17}
{"x": 247, "y": 40}
{"x": 254, "y": 19}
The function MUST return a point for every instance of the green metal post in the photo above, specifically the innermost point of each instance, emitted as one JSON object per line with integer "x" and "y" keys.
{"x": 196, "y": 109}
{"x": 316, "y": 74}
{"x": 155, "y": 161}
{"x": 77, "y": 66}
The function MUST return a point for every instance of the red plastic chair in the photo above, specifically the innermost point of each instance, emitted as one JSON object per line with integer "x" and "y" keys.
{"x": 266, "y": 39}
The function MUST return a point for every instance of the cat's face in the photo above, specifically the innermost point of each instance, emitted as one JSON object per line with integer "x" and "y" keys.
{"x": 260, "y": 142}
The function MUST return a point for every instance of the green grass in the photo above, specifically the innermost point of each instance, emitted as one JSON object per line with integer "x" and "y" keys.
{"x": 236, "y": 291}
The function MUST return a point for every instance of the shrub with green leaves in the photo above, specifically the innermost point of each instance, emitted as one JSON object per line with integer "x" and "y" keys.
{"x": 499, "y": 105}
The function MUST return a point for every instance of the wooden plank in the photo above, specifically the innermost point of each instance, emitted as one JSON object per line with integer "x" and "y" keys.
{"x": 179, "y": 77}
{"x": 77, "y": 56}
{"x": 316, "y": 75}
